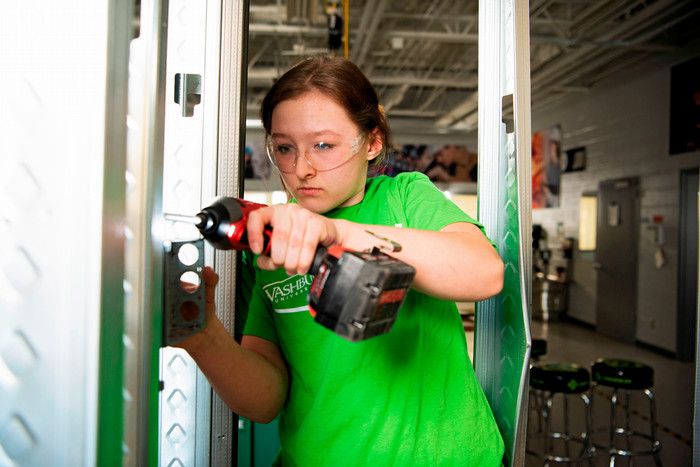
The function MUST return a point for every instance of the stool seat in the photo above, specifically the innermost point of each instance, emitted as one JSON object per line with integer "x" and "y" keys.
{"x": 625, "y": 377}
{"x": 561, "y": 442}
{"x": 623, "y": 374}
{"x": 567, "y": 378}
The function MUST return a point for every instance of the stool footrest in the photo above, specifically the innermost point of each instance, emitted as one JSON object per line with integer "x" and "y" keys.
{"x": 622, "y": 431}
{"x": 586, "y": 449}
{"x": 620, "y": 452}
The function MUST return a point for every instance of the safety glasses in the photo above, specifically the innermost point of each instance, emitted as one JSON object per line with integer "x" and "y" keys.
{"x": 321, "y": 156}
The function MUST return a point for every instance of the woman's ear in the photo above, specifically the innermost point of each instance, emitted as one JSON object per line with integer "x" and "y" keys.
{"x": 375, "y": 145}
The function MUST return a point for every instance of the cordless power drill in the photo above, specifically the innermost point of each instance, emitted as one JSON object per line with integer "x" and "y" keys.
{"x": 355, "y": 294}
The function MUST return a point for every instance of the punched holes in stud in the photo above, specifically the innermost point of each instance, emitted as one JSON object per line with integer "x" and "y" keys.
{"x": 188, "y": 254}
{"x": 190, "y": 283}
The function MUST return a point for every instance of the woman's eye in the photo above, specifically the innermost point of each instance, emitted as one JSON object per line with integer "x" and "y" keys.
{"x": 323, "y": 146}
{"x": 283, "y": 149}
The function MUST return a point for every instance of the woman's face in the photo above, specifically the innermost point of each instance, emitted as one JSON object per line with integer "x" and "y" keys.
{"x": 303, "y": 123}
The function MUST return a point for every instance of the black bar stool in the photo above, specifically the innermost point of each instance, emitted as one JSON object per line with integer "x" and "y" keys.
{"x": 537, "y": 351}
{"x": 627, "y": 376}
{"x": 566, "y": 379}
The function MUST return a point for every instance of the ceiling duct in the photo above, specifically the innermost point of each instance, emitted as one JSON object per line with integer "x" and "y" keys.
{"x": 305, "y": 12}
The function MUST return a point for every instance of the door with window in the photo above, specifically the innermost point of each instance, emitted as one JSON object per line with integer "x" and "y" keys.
{"x": 616, "y": 258}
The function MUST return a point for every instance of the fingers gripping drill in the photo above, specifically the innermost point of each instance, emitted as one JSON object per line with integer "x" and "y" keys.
{"x": 355, "y": 294}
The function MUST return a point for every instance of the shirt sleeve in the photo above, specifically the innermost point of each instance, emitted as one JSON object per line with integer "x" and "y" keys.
{"x": 428, "y": 208}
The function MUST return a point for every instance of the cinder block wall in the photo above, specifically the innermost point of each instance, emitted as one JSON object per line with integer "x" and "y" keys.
{"x": 624, "y": 125}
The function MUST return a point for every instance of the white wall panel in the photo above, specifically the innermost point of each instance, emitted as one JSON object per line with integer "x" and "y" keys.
{"x": 55, "y": 122}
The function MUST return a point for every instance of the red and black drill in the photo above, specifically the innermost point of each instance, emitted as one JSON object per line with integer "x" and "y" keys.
{"x": 355, "y": 294}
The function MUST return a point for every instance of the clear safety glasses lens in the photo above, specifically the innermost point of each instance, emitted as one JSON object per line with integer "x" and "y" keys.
{"x": 321, "y": 156}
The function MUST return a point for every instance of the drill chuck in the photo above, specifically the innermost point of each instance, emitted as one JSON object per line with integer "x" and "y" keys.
{"x": 223, "y": 224}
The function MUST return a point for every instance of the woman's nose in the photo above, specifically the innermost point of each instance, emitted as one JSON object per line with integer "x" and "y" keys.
{"x": 302, "y": 167}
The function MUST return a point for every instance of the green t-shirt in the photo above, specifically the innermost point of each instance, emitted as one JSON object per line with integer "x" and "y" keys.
{"x": 409, "y": 397}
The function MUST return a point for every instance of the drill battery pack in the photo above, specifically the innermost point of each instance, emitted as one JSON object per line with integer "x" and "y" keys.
{"x": 358, "y": 295}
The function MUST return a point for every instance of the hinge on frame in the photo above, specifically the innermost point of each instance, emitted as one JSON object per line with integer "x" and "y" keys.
{"x": 188, "y": 92}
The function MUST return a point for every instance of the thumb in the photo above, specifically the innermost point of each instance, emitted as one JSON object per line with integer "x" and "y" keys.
{"x": 211, "y": 279}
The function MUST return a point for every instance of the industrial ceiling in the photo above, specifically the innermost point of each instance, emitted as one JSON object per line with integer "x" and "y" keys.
{"x": 422, "y": 55}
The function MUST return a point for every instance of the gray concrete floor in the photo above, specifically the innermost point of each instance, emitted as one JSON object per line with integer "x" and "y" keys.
{"x": 673, "y": 390}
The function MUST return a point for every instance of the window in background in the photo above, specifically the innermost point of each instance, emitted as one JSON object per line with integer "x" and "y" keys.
{"x": 266, "y": 197}
{"x": 467, "y": 202}
{"x": 588, "y": 222}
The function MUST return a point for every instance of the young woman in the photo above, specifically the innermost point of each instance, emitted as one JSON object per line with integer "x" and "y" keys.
{"x": 409, "y": 397}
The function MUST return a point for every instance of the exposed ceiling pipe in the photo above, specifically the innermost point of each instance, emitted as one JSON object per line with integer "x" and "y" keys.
{"x": 288, "y": 29}
{"x": 567, "y": 68}
{"x": 414, "y": 80}
{"x": 371, "y": 31}
{"x": 267, "y": 13}
{"x": 411, "y": 113}
{"x": 596, "y": 62}
{"x": 595, "y": 58}
{"x": 395, "y": 96}
{"x": 438, "y": 91}
{"x": 655, "y": 32}
{"x": 469, "y": 19}
{"x": 447, "y": 37}
{"x": 609, "y": 43}
{"x": 443, "y": 56}
{"x": 598, "y": 13}
{"x": 456, "y": 38}
{"x": 560, "y": 67}
{"x": 361, "y": 35}
{"x": 434, "y": 95}
{"x": 466, "y": 107}
{"x": 265, "y": 75}
{"x": 254, "y": 59}
{"x": 536, "y": 10}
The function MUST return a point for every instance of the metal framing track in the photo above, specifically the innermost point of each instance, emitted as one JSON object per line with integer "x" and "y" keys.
{"x": 502, "y": 339}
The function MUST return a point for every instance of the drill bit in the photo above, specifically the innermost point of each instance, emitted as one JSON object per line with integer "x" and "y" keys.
{"x": 201, "y": 220}
{"x": 196, "y": 220}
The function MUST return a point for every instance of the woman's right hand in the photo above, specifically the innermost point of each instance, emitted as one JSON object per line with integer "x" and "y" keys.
{"x": 296, "y": 234}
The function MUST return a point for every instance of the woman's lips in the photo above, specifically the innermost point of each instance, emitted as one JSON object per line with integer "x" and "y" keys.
{"x": 308, "y": 191}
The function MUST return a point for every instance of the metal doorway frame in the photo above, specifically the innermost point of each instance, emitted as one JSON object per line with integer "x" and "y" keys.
{"x": 502, "y": 337}
{"x": 202, "y": 160}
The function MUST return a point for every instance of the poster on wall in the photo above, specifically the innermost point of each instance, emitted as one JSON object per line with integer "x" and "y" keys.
{"x": 546, "y": 155}
{"x": 446, "y": 164}
{"x": 684, "y": 135}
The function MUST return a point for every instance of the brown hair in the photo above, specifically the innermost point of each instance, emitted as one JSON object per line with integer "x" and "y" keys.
{"x": 339, "y": 79}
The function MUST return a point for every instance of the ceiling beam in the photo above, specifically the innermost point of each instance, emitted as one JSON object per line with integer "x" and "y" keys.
{"x": 371, "y": 32}
{"x": 260, "y": 76}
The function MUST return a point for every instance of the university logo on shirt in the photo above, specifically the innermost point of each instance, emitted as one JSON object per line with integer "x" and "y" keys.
{"x": 289, "y": 295}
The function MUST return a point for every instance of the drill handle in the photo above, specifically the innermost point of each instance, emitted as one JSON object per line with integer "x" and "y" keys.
{"x": 267, "y": 236}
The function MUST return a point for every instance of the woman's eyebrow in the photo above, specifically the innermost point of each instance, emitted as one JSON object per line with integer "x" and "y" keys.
{"x": 312, "y": 135}
{"x": 324, "y": 133}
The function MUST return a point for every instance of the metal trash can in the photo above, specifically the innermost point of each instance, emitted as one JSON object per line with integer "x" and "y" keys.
{"x": 549, "y": 297}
